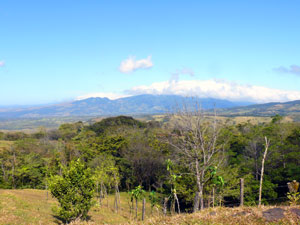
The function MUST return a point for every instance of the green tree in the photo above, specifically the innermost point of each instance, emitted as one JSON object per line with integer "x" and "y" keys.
{"x": 74, "y": 191}
{"x": 137, "y": 194}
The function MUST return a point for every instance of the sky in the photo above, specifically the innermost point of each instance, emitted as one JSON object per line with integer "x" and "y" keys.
{"x": 62, "y": 50}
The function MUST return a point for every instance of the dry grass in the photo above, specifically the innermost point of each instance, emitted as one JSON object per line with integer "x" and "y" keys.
{"x": 4, "y": 145}
{"x": 32, "y": 207}
{"x": 228, "y": 216}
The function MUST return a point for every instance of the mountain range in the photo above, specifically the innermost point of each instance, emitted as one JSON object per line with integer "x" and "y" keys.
{"x": 146, "y": 105}
{"x": 134, "y": 105}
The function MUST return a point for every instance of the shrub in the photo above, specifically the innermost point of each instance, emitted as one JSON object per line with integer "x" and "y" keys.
{"x": 74, "y": 191}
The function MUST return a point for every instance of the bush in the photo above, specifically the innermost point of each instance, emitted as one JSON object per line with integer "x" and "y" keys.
{"x": 73, "y": 190}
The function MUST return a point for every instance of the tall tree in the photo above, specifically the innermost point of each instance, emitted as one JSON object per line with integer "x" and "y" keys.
{"x": 197, "y": 139}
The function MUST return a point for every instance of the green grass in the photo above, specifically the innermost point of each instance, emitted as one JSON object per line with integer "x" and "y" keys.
{"x": 32, "y": 207}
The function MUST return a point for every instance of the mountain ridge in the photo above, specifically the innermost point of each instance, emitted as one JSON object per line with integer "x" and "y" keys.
{"x": 291, "y": 108}
{"x": 96, "y": 106}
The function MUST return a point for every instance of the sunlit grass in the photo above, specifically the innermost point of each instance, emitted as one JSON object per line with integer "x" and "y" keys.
{"x": 32, "y": 207}
{"x": 4, "y": 145}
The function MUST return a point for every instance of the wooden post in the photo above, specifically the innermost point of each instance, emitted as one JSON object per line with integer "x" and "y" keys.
{"x": 213, "y": 198}
{"x": 262, "y": 169}
{"x": 143, "y": 209}
{"x": 242, "y": 192}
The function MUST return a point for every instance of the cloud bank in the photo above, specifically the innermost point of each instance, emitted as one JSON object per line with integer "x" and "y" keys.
{"x": 293, "y": 69}
{"x": 130, "y": 64}
{"x": 2, "y": 63}
{"x": 220, "y": 89}
{"x": 109, "y": 95}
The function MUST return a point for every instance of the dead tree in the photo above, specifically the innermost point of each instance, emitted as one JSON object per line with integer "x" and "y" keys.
{"x": 197, "y": 139}
{"x": 267, "y": 143}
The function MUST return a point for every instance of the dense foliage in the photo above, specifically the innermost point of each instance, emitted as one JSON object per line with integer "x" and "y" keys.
{"x": 74, "y": 191}
{"x": 123, "y": 153}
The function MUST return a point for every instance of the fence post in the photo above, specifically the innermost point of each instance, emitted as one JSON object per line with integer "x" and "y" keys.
{"x": 213, "y": 198}
{"x": 242, "y": 192}
{"x": 143, "y": 209}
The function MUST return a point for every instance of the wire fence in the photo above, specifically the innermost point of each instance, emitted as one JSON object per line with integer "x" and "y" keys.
{"x": 278, "y": 190}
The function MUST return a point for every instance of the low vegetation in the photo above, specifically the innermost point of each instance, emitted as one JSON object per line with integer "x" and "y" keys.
{"x": 30, "y": 206}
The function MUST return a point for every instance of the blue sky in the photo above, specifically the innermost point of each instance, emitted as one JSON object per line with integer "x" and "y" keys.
{"x": 54, "y": 51}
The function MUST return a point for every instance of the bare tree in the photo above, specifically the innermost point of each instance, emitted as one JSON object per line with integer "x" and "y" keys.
{"x": 267, "y": 143}
{"x": 196, "y": 139}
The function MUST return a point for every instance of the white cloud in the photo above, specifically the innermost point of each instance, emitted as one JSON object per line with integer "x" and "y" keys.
{"x": 2, "y": 63}
{"x": 220, "y": 89}
{"x": 111, "y": 96}
{"x": 131, "y": 64}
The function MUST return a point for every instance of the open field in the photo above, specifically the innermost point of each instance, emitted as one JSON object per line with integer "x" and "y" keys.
{"x": 4, "y": 145}
{"x": 32, "y": 207}
{"x": 32, "y": 125}
{"x": 230, "y": 120}
{"x": 229, "y": 216}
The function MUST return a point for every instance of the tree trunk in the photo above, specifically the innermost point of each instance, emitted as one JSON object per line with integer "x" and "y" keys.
{"x": 173, "y": 207}
{"x": 262, "y": 170}
{"x": 116, "y": 203}
{"x": 136, "y": 208}
{"x": 242, "y": 192}
{"x": 101, "y": 194}
{"x": 165, "y": 206}
{"x": 4, "y": 172}
{"x": 213, "y": 197}
{"x": 200, "y": 187}
{"x": 98, "y": 194}
{"x": 201, "y": 198}
{"x": 13, "y": 169}
{"x": 144, "y": 209}
{"x": 177, "y": 201}
{"x": 196, "y": 202}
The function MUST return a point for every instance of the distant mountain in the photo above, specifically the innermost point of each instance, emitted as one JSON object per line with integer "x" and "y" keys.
{"x": 291, "y": 109}
{"x": 134, "y": 105}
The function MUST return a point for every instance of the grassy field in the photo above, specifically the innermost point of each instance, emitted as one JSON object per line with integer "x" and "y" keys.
{"x": 231, "y": 120}
{"x": 4, "y": 145}
{"x": 32, "y": 207}
{"x": 228, "y": 216}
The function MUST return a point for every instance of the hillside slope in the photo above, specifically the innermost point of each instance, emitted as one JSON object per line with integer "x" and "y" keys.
{"x": 32, "y": 207}
{"x": 291, "y": 109}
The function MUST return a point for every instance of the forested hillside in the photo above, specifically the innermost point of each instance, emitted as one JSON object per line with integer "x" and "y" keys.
{"x": 192, "y": 161}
